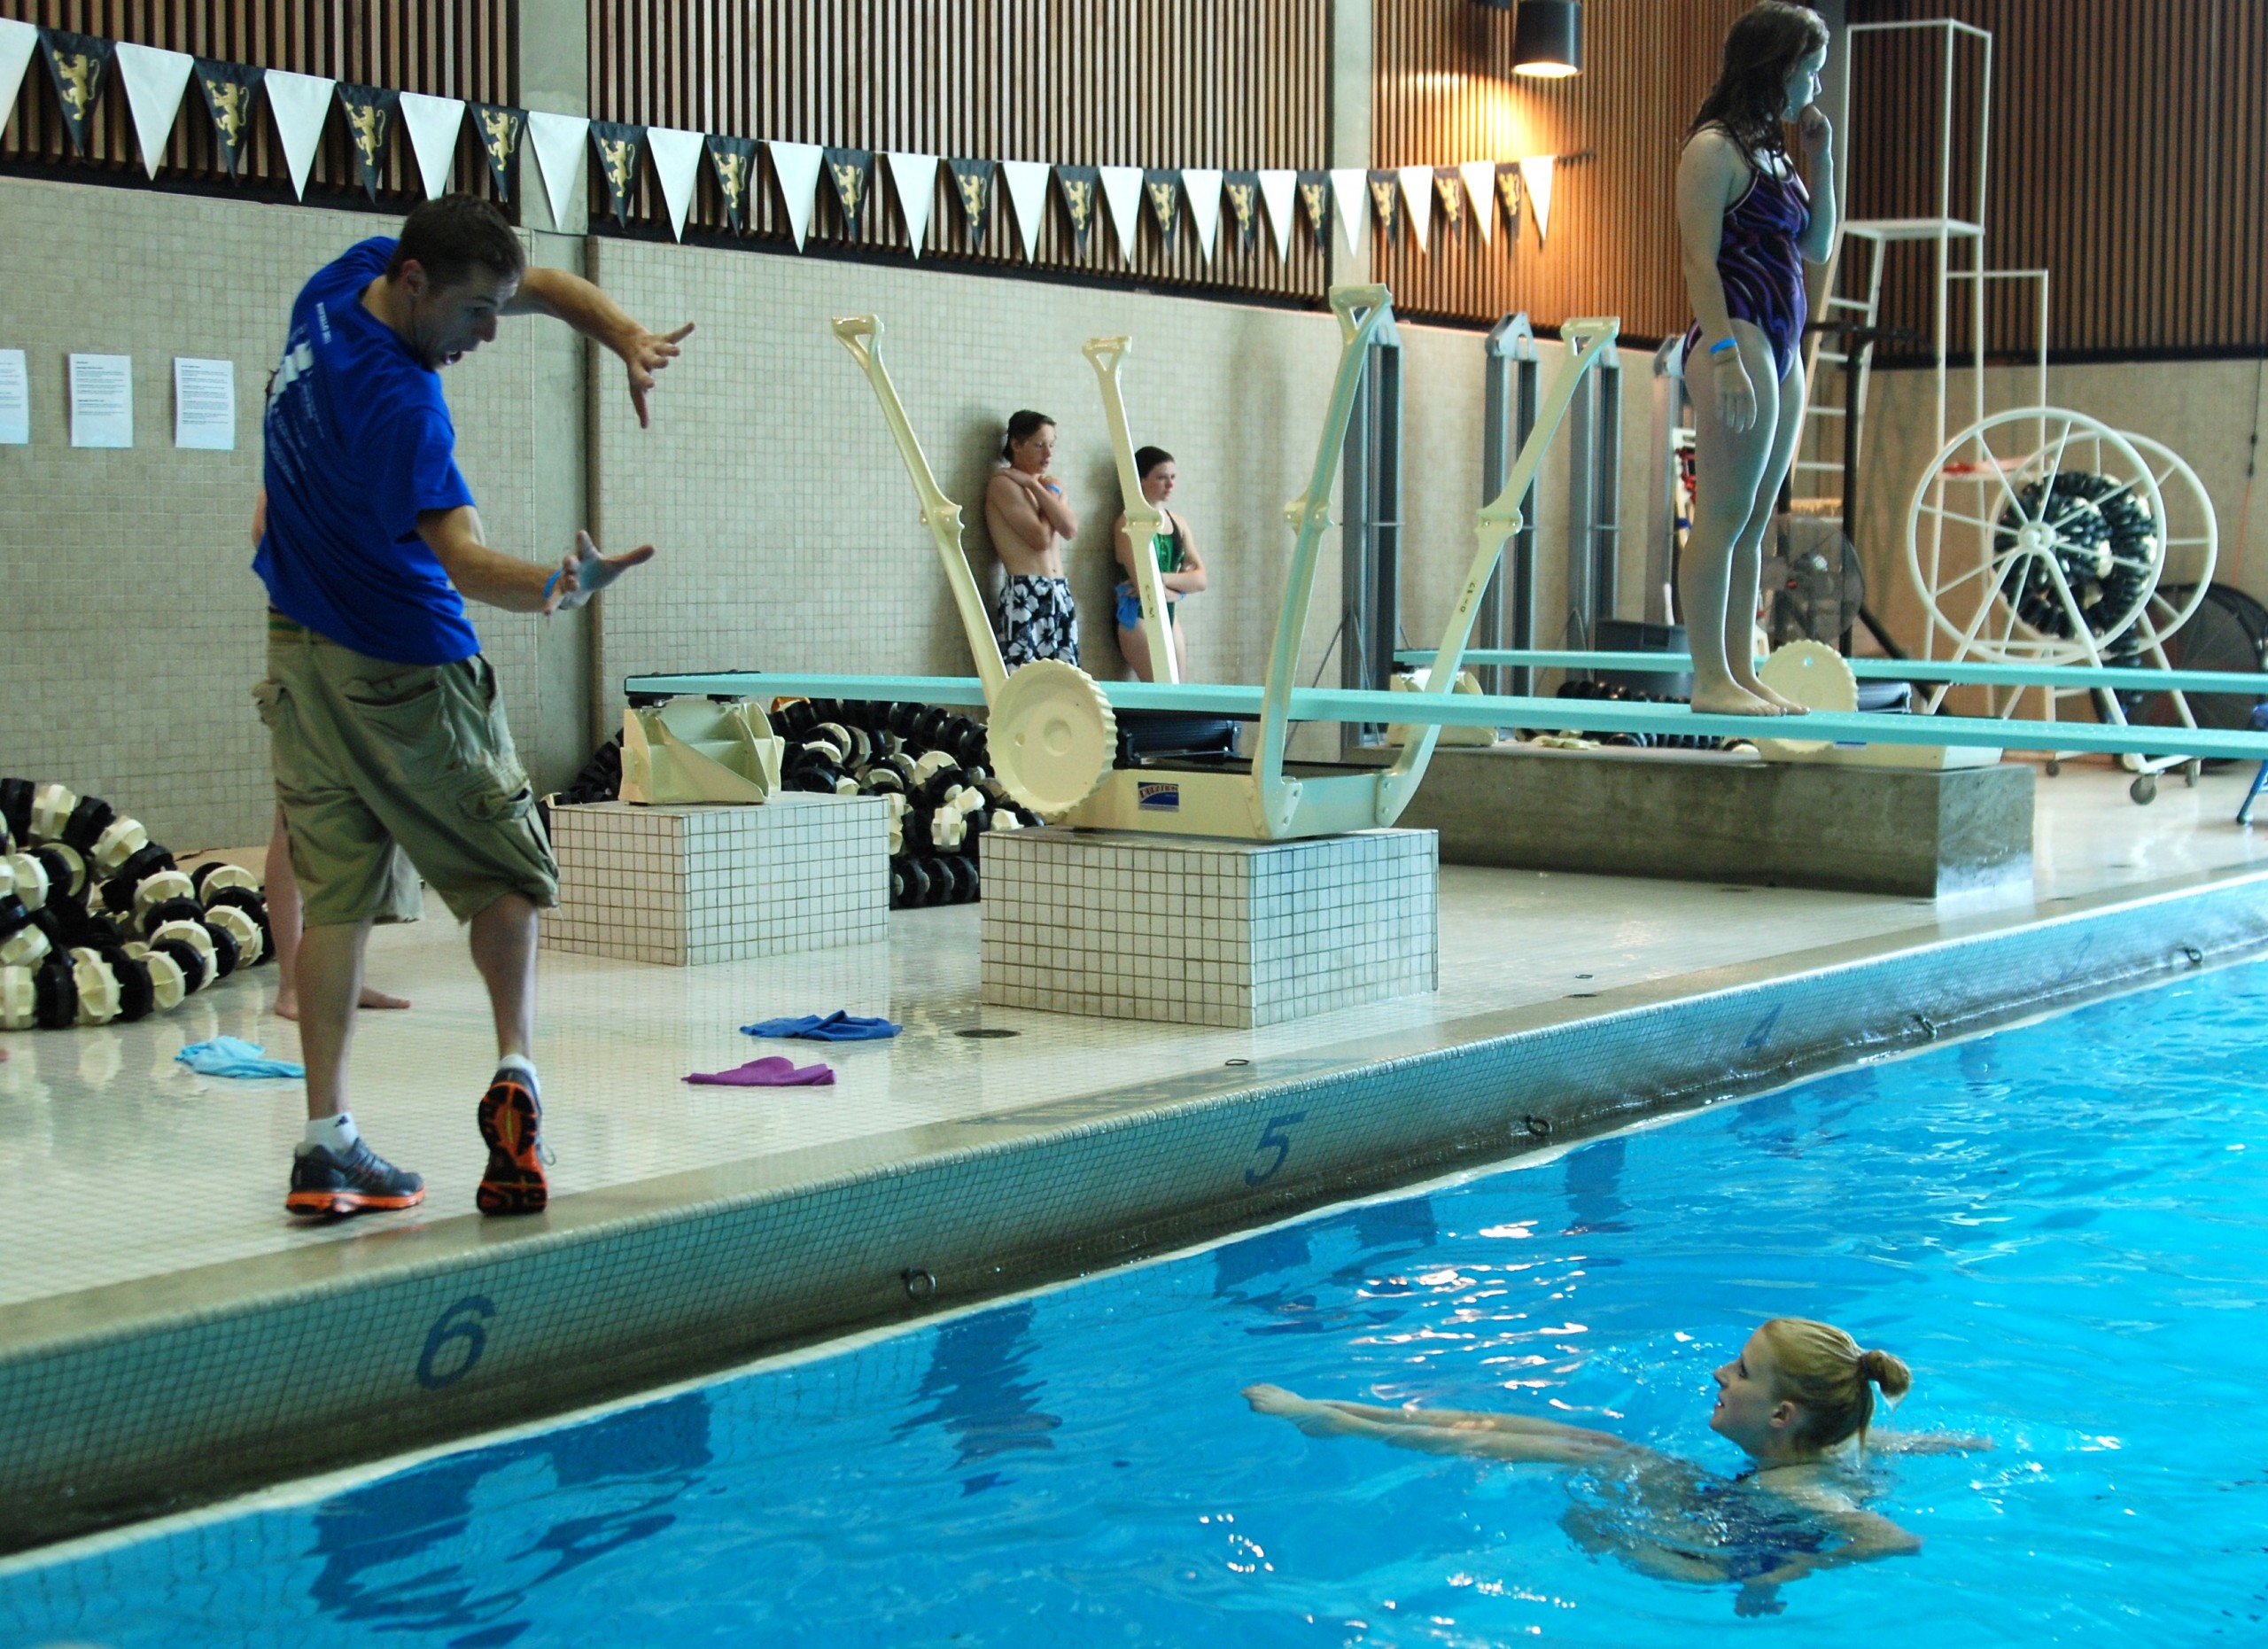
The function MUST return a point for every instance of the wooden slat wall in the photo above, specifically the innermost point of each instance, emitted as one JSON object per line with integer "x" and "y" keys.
{"x": 1444, "y": 95}
{"x": 2129, "y": 157}
{"x": 448, "y": 48}
{"x": 1126, "y": 82}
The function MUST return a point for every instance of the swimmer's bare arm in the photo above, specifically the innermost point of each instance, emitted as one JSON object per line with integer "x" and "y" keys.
{"x": 1011, "y": 504}
{"x": 1190, "y": 579}
{"x": 1442, "y": 1431}
{"x": 586, "y": 308}
{"x": 497, "y": 580}
{"x": 1880, "y": 1442}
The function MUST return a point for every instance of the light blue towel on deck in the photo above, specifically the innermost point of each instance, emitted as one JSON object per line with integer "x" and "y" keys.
{"x": 229, "y": 1056}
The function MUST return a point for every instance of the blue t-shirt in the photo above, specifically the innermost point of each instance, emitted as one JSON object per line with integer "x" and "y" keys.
{"x": 358, "y": 441}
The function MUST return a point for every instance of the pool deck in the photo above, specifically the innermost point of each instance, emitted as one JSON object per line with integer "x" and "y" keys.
{"x": 149, "y": 1253}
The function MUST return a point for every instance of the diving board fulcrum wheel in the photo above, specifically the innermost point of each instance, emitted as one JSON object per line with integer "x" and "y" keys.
{"x": 2035, "y": 536}
{"x": 1815, "y": 676}
{"x": 1053, "y": 736}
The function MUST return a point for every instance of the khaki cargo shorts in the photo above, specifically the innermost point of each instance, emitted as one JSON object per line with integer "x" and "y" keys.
{"x": 383, "y": 768}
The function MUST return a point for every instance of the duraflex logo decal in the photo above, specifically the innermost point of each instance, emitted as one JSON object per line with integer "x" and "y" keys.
{"x": 1158, "y": 798}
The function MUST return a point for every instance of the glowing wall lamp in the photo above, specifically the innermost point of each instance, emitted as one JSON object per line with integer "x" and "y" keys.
{"x": 1547, "y": 39}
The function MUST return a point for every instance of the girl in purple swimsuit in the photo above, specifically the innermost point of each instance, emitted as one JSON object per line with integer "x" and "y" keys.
{"x": 1747, "y": 228}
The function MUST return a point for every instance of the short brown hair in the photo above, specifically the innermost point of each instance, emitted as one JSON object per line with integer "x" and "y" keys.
{"x": 447, "y": 237}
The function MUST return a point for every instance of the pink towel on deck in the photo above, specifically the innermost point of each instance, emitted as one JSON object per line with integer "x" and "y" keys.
{"x": 772, "y": 1072}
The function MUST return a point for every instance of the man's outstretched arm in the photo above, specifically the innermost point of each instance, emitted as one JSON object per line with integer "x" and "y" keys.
{"x": 492, "y": 577}
{"x": 571, "y": 298}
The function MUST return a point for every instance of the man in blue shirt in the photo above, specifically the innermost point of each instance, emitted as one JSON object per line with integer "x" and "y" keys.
{"x": 393, "y": 759}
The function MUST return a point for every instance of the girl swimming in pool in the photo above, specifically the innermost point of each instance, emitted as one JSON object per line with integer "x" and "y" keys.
{"x": 1796, "y": 1392}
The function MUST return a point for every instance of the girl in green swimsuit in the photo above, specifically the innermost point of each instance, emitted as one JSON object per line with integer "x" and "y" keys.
{"x": 1796, "y": 1393}
{"x": 1180, "y": 569}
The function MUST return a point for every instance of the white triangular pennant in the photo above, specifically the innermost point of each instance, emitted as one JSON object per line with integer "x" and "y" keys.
{"x": 1281, "y": 192}
{"x": 796, "y": 166}
{"x": 677, "y": 162}
{"x": 433, "y": 124}
{"x": 558, "y": 140}
{"x": 18, "y": 41}
{"x": 1480, "y": 189}
{"x": 1350, "y": 186}
{"x": 1417, "y": 192}
{"x": 1535, "y": 179}
{"x": 1026, "y": 185}
{"x": 914, "y": 177}
{"x": 1121, "y": 192}
{"x": 1202, "y": 184}
{"x": 154, "y": 81}
{"x": 298, "y": 103}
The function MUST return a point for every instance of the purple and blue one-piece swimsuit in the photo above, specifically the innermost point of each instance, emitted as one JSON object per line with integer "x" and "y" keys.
{"x": 1760, "y": 261}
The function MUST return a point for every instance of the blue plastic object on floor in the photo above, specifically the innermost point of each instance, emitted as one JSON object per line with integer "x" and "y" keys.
{"x": 835, "y": 1027}
{"x": 229, "y": 1056}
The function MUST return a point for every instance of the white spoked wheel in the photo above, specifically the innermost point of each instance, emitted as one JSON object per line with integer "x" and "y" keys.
{"x": 2191, "y": 542}
{"x": 2035, "y": 536}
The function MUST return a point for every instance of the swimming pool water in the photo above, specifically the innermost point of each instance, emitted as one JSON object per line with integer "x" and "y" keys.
{"x": 2061, "y": 1228}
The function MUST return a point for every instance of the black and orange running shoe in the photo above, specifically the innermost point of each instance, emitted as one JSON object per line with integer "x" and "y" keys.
{"x": 511, "y": 1120}
{"x": 328, "y": 1186}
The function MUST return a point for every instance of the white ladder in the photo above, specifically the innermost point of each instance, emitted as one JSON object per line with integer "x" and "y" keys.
{"x": 1816, "y": 484}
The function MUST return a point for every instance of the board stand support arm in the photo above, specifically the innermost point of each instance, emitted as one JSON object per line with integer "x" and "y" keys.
{"x": 862, "y": 336}
{"x": 1143, "y": 519}
{"x": 1586, "y": 342}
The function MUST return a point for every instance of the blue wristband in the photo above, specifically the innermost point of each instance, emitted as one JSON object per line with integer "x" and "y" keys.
{"x": 1722, "y": 345}
{"x": 551, "y": 583}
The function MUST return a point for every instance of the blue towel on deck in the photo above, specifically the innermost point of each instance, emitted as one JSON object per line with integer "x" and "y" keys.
{"x": 227, "y": 1056}
{"x": 835, "y": 1027}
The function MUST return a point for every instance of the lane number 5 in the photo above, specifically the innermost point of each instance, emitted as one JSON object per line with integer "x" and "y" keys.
{"x": 1273, "y": 1138}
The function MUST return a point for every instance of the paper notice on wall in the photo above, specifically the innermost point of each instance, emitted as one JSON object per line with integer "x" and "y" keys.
{"x": 101, "y": 401}
{"x": 204, "y": 404}
{"x": 15, "y": 400}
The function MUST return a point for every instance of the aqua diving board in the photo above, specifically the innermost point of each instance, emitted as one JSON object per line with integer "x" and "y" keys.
{"x": 2252, "y": 683}
{"x": 1478, "y": 709}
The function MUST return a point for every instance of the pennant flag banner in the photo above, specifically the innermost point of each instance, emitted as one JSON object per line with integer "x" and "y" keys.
{"x": 298, "y": 104}
{"x": 795, "y": 168}
{"x": 972, "y": 182}
{"x": 1480, "y": 185}
{"x": 1508, "y": 193}
{"x": 851, "y": 171}
{"x": 1535, "y": 181}
{"x": 1281, "y": 190}
{"x": 1383, "y": 206}
{"x": 1026, "y": 181}
{"x": 915, "y": 177}
{"x": 1449, "y": 199}
{"x": 558, "y": 143}
{"x": 77, "y": 63}
{"x": 1161, "y": 187}
{"x": 1081, "y": 187}
{"x": 1121, "y": 192}
{"x": 1417, "y": 191}
{"x": 501, "y": 127}
{"x": 1315, "y": 200}
{"x": 1203, "y": 185}
{"x": 1350, "y": 189}
{"x": 619, "y": 148}
{"x": 230, "y": 89}
{"x": 369, "y": 123}
{"x": 155, "y": 82}
{"x": 433, "y": 124}
{"x": 733, "y": 160}
{"x": 18, "y": 41}
{"x": 1240, "y": 192}
{"x": 677, "y": 164}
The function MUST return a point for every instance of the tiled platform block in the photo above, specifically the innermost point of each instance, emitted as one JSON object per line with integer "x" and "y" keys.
{"x": 1195, "y": 930}
{"x": 694, "y": 884}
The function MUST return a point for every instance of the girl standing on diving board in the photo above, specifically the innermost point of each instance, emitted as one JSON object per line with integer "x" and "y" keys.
{"x": 1747, "y": 227}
